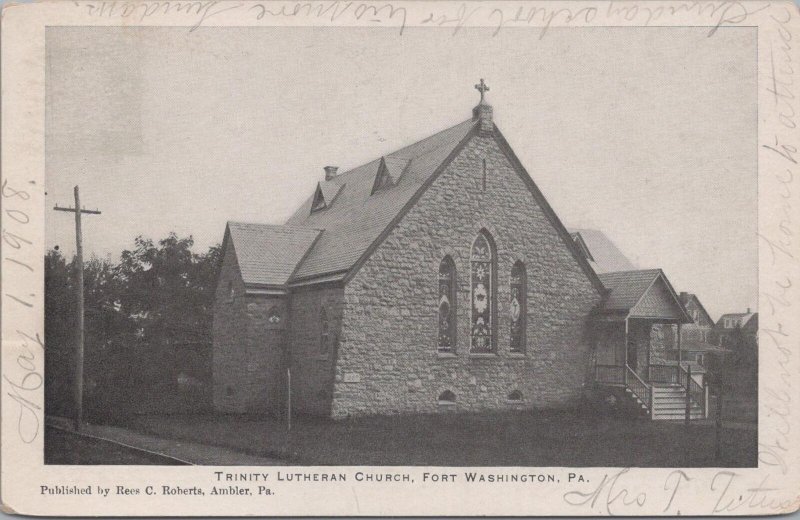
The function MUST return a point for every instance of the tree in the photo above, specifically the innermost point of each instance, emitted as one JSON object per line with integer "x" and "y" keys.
{"x": 168, "y": 289}
{"x": 137, "y": 311}
{"x": 59, "y": 335}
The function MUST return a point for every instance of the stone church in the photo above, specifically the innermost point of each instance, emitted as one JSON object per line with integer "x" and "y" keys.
{"x": 434, "y": 278}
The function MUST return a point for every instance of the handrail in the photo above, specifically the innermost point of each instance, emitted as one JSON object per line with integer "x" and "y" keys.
{"x": 639, "y": 388}
{"x": 632, "y": 371}
{"x": 696, "y": 392}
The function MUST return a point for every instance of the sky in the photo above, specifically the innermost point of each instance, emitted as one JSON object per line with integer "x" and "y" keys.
{"x": 648, "y": 134}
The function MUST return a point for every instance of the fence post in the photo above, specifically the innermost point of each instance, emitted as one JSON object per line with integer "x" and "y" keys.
{"x": 288, "y": 399}
{"x": 718, "y": 427}
{"x": 688, "y": 393}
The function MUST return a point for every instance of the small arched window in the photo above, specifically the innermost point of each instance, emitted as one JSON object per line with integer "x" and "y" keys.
{"x": 231, "y": 290}
{"x": 447, "y": 305}
{"x": 447, "y": 397}
{"x": 516, "y": 395}
{"x": 519, "y": 307}
{"x": 482, "y": 294}
{"x": 324, "y": 335}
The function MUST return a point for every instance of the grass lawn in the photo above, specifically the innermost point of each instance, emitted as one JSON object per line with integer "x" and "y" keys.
{"x": 529, "y": 438}
{"x": 62, "y": 447}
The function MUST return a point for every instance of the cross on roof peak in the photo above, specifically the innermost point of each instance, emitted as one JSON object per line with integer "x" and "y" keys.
{"x": 482, "y": 87}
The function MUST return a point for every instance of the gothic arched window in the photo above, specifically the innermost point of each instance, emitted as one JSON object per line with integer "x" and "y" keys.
{"x": 518, "y": 307}
{"x": 447, "y": 305}
{"x": 482, "y": 294}
{"x": 274, "y": 315}
{"x": 324, "y": 335}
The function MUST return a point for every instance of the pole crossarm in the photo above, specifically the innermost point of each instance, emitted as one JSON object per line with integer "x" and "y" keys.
{"x": 72, "y": 210}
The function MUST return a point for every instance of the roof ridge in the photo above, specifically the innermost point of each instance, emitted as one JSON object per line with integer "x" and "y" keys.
{"x": 392, "y": 154}
{"x": 266, "y": 224}
{"x": 651, "y": 270}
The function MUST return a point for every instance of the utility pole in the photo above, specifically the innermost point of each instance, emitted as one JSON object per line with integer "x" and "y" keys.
{"x": 79, "y": 336}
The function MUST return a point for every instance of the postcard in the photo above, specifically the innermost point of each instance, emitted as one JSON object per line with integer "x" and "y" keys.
{"x": 400, "y": 258}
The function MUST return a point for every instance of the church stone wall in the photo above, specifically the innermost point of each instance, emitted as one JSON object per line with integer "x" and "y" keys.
{"x": 312, "y": 363}
{"x": 388, "y": 360}
{"x": 247, "y": 347}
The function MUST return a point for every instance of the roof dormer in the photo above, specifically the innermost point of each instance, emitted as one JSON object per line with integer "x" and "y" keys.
{"x": 324, "y": 195}
{"x": 389, "y": 172}
{"x": 319, "y": 200}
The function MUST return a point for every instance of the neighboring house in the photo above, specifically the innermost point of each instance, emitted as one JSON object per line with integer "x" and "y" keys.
{"x": 434, "y": 278}
{"x": 695, "y": 347}
{"x": 702, "y": 323}
{"x": 696, "y": 338}
{"x": 746, "y": 322}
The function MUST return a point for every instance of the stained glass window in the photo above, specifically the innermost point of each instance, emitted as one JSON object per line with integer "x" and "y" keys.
{"x": 447, "y": 305}
{"x": 274, "y": 316}
{"x": 518, "y": 307}
{"x": 324, "y": 332}
{"x": 482, "y": 294}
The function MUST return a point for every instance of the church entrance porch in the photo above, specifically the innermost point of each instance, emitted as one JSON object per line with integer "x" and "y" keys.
{"x": 628, "y": 358}
{"x": 630, "y": 354}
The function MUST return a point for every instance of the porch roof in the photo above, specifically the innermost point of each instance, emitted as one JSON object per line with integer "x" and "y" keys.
{"x": 644, "y": 293}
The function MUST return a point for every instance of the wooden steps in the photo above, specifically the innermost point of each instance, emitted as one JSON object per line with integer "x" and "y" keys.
{"x": 669, "y": 404}
{"x": 667, "y": 400}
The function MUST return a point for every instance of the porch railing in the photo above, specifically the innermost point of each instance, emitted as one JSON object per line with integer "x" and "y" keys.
{"x": 609, "y": 374}
{"x": 624, "y": 375}
{"x": 668, "y": 374}
{"x": 638, "y": 387}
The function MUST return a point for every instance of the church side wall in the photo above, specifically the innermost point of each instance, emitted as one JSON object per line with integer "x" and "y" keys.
{"x": 247, "y": 347}
{"x": 388, "y": 359}
{"x": 228, "y": 328}
{"x": 312, "y": 361}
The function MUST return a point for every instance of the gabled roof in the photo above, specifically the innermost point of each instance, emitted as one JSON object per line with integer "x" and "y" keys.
{"x": 357, "y": 218}
{"x": 268, "y": 254}
{"x": 603, "y": 255}
{"x": 642, "y": 293}
{"x": 627, "y": 287}
{"x": 744, "y": 318}
{"x": 686, "y": 297}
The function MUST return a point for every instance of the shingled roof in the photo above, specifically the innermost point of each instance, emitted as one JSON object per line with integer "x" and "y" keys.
{"x": 642, "y": 293}
{"x": 354, "y": 210}
{"x": 603, "y": 255}
{"x": 358, "y": 217}
{"x": 269, "y": 254}
{"x": 744, "y": 317}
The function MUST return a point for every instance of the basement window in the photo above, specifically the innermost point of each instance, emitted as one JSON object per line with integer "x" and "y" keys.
{"x": 447, "y": 398}
{"x": 515, "y": 397}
